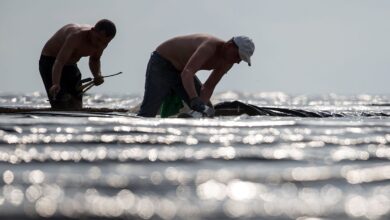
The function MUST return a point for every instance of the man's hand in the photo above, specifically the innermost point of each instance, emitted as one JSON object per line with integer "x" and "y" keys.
{"x": 98, "y": 80}
{"x": 54, "y": 90}
{"x": 197, "y": 105}
{"x": 209, "y": 112}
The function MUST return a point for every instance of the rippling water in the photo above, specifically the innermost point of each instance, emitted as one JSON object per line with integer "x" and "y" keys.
{"x": 81, "y": 165}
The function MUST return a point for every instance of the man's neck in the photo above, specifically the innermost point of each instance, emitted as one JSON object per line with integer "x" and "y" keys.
{"x": 220, "y": 49}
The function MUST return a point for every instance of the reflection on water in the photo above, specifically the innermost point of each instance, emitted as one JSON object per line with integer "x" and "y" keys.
{"x": 121, "y": 166}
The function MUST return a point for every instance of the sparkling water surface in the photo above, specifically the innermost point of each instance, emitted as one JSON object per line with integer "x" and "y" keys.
{"x": 116, "y": 165}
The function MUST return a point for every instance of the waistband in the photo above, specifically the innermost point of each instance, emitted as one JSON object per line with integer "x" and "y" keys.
{"x": 47, "y": 58}
{"x": 50, "y": 60}
{"x": 156, "y": 55}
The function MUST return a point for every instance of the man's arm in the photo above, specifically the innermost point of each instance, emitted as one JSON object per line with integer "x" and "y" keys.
{"x": 62, "y": 57}
{"x": 211, "y": 82}
{"x": 200, "y": 56}
{"x": 94, "y": 66}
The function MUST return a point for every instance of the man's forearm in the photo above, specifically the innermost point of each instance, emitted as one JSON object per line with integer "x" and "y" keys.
{"x": 94, "y": 66}
{"x": 56, "y": 73}
{"x": 205, "y": 94}
{"x": 188, "y": 83}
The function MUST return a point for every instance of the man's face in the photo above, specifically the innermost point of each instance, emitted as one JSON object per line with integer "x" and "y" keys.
{"x": 232, "y": 55}
{"x": 99, "y": 38}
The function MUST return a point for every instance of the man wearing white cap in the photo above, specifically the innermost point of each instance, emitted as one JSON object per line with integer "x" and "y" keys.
{"x": 173, "y": 65}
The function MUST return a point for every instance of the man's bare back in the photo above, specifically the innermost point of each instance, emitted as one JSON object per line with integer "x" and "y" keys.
{"x": 195, "y": 52}
{"x": 179, "y": 50}
{"x": 84, "y": 49}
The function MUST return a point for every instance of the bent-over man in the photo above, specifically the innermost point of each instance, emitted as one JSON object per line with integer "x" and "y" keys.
{"x": 59, "y": 57}
{"x": 173, "y": 65}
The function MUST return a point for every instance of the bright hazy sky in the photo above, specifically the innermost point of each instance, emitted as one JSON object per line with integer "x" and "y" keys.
{"x": 302, "y": 46}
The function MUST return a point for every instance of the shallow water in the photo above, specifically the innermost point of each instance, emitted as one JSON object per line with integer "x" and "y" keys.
{"x": 117, "y": 165}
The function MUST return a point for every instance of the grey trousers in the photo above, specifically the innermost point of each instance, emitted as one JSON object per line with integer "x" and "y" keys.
{"x": 162, "y": 80}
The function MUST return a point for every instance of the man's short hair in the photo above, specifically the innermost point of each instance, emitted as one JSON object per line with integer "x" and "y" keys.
{"x": 107, "y": 26}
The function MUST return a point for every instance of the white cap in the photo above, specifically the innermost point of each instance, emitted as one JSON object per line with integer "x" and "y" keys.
{"x": 246, "y": 47}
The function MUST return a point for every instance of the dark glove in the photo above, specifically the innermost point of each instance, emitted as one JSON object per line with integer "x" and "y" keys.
{"x": 197, "y": 104}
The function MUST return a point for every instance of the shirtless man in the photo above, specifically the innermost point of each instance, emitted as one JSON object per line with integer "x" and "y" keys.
{"x": 172, "y": 68}
{"x": 60, "y": 54}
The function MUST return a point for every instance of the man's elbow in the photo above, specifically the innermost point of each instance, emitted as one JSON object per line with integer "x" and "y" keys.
{"x": 207, "y": 90}
{"x": 187, "y": 74}
{"x": 94, "y": 60}
{"x": 58, "y": 64}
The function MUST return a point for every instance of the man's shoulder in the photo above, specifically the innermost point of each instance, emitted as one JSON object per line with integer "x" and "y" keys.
{"x": 207, "y": 37}
{"x": 75, "y": 33}
{"x": 75, "y": 29}
{"x": 70, "y": 28}
{"x": 208, "y": 40}
{"x": 211, "y": 42}
{"x": 76, "y": 26}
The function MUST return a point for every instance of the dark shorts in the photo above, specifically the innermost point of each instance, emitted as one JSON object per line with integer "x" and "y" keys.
{"x": 69, "y": 96}
{"x": 162, "y": 80}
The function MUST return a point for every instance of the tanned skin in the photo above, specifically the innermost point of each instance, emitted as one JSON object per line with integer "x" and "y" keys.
{"x": 192, "y": 53}
{"x": 69, "y": 44}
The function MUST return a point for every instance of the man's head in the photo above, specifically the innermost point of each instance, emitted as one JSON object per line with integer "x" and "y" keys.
{"x": 245, "y": 46}
{"x": 106, "y": 26}
{"x": 230, "y": 52}
{"x": 103, "y": 32}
